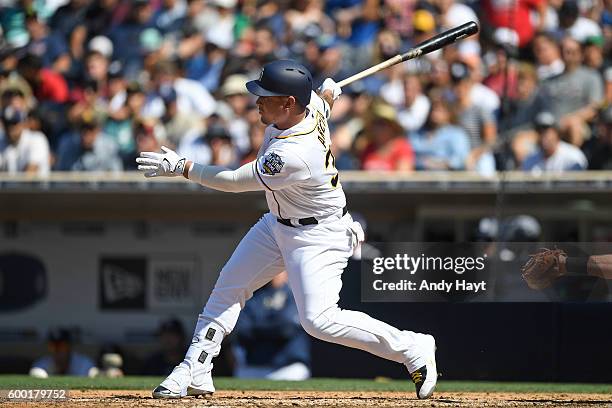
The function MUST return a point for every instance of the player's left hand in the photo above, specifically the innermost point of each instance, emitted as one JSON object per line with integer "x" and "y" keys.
{"x": 330, "y": 85}
{"x": 544, "y": 267}
{"x": 167, "y": 164}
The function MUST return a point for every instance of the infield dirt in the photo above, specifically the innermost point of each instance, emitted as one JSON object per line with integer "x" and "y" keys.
{"x": 271, "y": 399}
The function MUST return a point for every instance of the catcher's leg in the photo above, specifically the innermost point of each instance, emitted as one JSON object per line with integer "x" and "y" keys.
{"x": 254, "y": 262}
{"x": 315, "y": 260}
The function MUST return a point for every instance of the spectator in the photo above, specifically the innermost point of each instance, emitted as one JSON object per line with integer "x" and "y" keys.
{"x": 440, "y": 145}
{"x": 191, "y": 97}
{"x": 50, "y": 47}
{"x": 269, "y": 341}
{"x": 479, "y": 123}
{"x": 236, "y": 100}
{"x": 387, "y": 148}
{"x": 48, "y": 86}
{"x": 574, "y": 25}
{"x": 575, "y": 94}
{"x": 170, "y": 17}
{"x": 196, "y": 145}
{"x": 88, "y": 149}
{"x": 502, "y": 71}
{"x": 593, "y": 49}
{"x": 416, "y": 105}
{"x": 599, "y": 148}
{"x": 515, "y": 16}
{"x": 126, "y": 37}
{"x": 548, "y": 56}
{"x": 256, "y": 138}
{"x": 207, "y": 66}
{"x": 22, "y": 150}
{"x": 222, "y": 150}
{"x": 553, "y": 155}
{"x": 63, "y": 360}
{"x": 453, "y": 14}
{"x": 172, "y": 346}
{"x": 346, "y": 143}
{"x": 518, "y": 124}
{"x": 178, "y": 124}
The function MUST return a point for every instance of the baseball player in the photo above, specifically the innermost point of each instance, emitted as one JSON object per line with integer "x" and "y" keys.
{"x": 307, "y": 232}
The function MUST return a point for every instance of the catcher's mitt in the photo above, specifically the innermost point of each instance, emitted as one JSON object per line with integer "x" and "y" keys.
{"x": 543, "y": 267}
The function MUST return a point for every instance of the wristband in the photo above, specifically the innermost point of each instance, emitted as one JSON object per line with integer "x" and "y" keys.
{"x": 576, "y": 266}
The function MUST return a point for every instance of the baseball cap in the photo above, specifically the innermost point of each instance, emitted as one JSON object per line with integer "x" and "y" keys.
{"x": 217, "y": 131}
{"x": 12, "y": 116}
{"x": 423, "y": 20}
{"x": 234, "y": 85}
{"x": 228, "y": 4}
{"x": 102, "y": 45}
{"x": 545, "y": 120}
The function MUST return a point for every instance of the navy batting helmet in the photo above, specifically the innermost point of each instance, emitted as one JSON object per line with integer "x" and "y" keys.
{"x": 283, "y": 78}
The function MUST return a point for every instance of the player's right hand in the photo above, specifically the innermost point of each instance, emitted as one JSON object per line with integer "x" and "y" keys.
{"x": 167, "y": 164}
{"x": 330, "y": 85}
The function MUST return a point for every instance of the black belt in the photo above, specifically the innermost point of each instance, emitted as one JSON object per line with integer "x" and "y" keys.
{"x": 305, "y": 221}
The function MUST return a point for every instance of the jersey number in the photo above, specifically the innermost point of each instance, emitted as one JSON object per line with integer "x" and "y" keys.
{"x": 329, "y": 155}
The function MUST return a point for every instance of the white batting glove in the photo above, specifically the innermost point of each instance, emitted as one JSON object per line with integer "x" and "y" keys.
{"x": 167, "y": 164}
{"x": 330, "y": 85}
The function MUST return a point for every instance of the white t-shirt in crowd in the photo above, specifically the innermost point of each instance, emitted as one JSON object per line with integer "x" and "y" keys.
{"x": 31, "y": 149}
{"x": 191, "y": 99}
{"x": 484, "y": 97}
{"x": 567, "y": 158}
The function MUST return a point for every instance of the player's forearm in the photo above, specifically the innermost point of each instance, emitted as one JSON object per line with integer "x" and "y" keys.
{"x": 328, "y": 97}
{"x": 223, "y": 179}
{"x": 595, "y": 265}
{"x": 600, "y": 266}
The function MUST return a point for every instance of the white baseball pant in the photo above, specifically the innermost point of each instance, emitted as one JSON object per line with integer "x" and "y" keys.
{"x": 314, "y": 257}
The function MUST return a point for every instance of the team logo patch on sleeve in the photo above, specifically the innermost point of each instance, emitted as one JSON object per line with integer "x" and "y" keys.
{"x": 272, "y": 164}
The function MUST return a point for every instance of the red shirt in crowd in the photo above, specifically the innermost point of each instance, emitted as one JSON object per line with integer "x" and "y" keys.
{"x": 388, "y": 157}
{"x": 52, "y": 87}
{"x": 499, "y": 14}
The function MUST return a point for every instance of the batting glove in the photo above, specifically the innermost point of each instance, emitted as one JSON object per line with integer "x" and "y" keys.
{"x": 167, "y": 164}
{"x": 330, "y": 85}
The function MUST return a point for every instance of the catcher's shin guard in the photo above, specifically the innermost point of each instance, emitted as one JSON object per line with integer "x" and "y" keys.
{"x": 193, "y": 375}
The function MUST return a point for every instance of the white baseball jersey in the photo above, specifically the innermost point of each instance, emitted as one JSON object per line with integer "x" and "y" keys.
{"x": 297, "y": 169}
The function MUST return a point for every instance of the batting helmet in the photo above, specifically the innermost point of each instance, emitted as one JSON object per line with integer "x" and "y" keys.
{"x": 283, "y": 78}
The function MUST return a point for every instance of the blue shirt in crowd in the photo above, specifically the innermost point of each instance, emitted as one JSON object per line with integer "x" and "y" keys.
{"x": 448, "y": 144}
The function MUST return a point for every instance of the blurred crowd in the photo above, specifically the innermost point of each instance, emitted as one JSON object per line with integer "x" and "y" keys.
{"x": 85, "y": 85}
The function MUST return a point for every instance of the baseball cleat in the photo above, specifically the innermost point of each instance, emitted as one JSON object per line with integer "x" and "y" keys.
{"x": 196, "y": 392}
{"x": 425, "y": 377}
{"x": 162, "y": 392}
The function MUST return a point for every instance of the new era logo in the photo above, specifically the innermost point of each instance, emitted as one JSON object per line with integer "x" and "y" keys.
{"x": 203, "y": 356}
{"x": 210, "y": 334}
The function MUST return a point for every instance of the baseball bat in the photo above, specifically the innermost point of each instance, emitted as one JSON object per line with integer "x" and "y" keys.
{"x": 434, "y": 43}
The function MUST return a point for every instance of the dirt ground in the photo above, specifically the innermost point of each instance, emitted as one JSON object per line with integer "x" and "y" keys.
{"x": 271, "y": 399}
